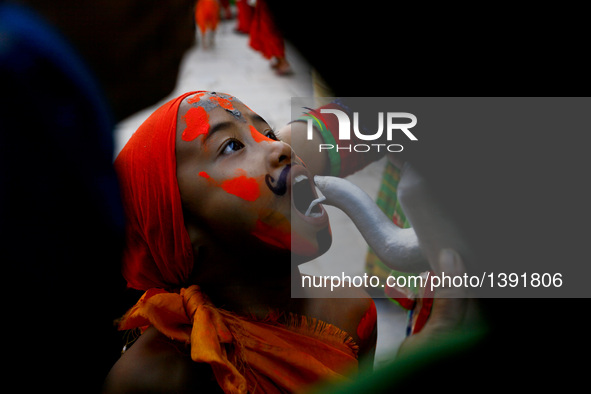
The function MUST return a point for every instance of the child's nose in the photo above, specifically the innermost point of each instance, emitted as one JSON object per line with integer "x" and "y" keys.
{"x": 280, "y": 154}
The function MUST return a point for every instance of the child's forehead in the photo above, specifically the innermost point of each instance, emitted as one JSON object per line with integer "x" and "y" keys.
{"x": 202, "y": 110}
{"x": 208, "y": 102}
{"x": 211, "y": 100}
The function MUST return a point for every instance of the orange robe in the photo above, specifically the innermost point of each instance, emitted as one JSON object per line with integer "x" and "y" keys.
{"x": 247, "y": 355}
{"x": 207, "y": 15}
{"x": 265, "y": 37}
{"x": 245, "y": 12}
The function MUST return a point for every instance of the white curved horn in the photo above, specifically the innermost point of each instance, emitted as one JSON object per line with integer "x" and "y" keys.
{"x": 398, "y": 248}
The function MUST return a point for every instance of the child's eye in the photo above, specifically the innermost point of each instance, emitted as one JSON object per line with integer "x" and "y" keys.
{"x": 271, "y": 135}
{"x": 231, "y": 146}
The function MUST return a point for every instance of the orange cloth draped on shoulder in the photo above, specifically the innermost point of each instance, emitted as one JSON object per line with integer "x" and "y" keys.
{"x": 265, "y": 357}
{"x": 246, "y": 355}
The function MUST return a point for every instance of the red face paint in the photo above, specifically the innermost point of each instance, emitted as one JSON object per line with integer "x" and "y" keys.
{"x": 195, "y": 98}
{"x": 368, "y": 322}
{"x": 197, "y": 121}
{"x": 270, "y": 234}
{"x": 242, "y": 186}
{"x": 258, "y": 137}
{"x": 273, "y": 228}
{"x": 222, "y": 102}
{"x": 302, "y": 246}
{"x": 280, "y": 235}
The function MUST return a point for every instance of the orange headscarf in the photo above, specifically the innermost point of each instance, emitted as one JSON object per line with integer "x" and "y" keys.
{"x": 245, "y": 354}
{"x": 158, "y": 249}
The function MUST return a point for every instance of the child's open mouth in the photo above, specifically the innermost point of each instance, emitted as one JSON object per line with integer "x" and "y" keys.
{"x": 304, "y": 197}
{"x": 305, "y": 200}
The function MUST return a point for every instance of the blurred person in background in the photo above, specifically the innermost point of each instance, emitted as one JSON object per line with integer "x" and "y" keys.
{"x": 266, "y": 38}
{"x": 70, "y": 70}
{"x": 244, "y": 16}
{"x": 207, "y": 18}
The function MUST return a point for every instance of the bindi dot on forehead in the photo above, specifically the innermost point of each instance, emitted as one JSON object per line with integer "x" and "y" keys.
{"x": 197, "y": 121}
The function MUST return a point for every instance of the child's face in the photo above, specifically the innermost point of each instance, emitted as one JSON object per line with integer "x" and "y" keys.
{"x": 235, "y": 180}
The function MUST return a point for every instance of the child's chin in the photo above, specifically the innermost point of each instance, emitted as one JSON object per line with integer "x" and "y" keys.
{"x": 306, "y": 249}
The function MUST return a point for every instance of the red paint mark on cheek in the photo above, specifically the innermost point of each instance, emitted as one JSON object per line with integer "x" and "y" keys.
{"x": 197, "y": 121}
{"x": 242, "y": 186}
{"x": 258, "y": 137}
{"x": 368, "y": 322}
{"x": 303, "y": 247}
{"x": 280, "y": 235}
{"x": 246, "y": 188}
{"x": 195, "y": 98}
{"x": 273, "y": 235}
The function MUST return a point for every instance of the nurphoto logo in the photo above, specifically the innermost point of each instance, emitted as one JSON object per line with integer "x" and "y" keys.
{"x": 345, "y": 131}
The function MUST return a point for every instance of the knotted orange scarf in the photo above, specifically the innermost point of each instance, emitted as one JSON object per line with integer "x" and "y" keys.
{"x": 245, "y": 355}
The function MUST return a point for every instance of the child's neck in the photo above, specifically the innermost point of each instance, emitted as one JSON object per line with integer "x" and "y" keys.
{"x": 257, "y": 291}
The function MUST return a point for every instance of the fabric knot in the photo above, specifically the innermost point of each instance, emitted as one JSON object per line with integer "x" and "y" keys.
{"x": 245, "y": 354}
{"x": 193, "y": 298}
